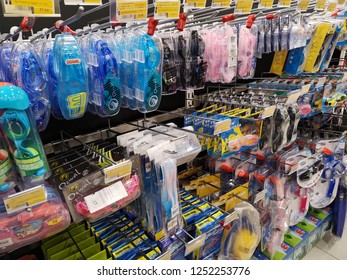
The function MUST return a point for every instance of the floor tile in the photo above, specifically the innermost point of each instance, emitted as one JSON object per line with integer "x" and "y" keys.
{"x": 336, "y": 248}
{"x": 318, "y": 254}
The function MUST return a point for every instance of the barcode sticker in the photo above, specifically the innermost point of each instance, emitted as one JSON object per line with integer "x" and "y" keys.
{"x": 93, "y": 59}
{"x": 5, "y": 242}
{"x": 172, "y": 224}
{"x": 232, "y": 51}
{"x": 174, "y": 210}
{"x": 139, "y": 95}
{"x": 139, "y": 55}
{"x": 127, "y": 56}
{"x": 97, "y": 99}
{"x": 105, "y": 197}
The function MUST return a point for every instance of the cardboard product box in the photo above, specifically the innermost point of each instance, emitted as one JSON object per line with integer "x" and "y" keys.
{"x": 325, "y": 215}
{"x": 311, "y": 225}
{"x": 305, "y": 240}
{"x": 298, "y": 243}
{"x": 286, "y": 252}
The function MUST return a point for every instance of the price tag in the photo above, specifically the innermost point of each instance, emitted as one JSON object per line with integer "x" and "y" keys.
{"x": 118, "y": 171}
{"x": 260, "y": 196}
{"x": 164, "y": 257}
{"x": 320, "y": 5}
{"x": 305, "y": 89}
{"x": 284, "y": 3}
{"x": 243, "y": 6}
{"x": 341, "y": 2}
{"x": 44, "y": 8}
{"x": 83, "y": 2}
{"x": 321, "y": 82}
{"x": 221, "y": 3}
{"x": 25, "y": 199}
{"x": 266, "y": 3}
{"x": 231, "y": 217}
{"x": 292, "y": 98}
{"x": 222, "y": 126}
{"x": 303, "y": 5}
{"x": 189, "y": 4}
{"x": 167, "y": 9}
{"x": 268, "y": 112}
{"x": 195, "y": 244}
{"x": 130, "y": 10}
{"x": 105, "y": 197}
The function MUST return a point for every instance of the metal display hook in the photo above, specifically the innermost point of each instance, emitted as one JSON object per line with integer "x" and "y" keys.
{"x": 27, "y": 24}
{"x": 61, "y": 24}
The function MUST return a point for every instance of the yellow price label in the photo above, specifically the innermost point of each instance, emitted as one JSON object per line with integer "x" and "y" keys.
{"x": 167, "y": 9}
{"x": 48, "y": 4}
{"x": 195, "y": 4}
{"x": 222, "y": 126}
{"x": 320, "y": 5}
{"x": 303, "y": 5}
{"x": 284, "y": 3}
{"x": 243, "y": 6}
{"x": 341, "y": 2}
{"x": 132, "y": 10}
{"x": 266, "y": 3}
{"x": 25, "y": 199}
{"x": 117, "y": 171}
{"x": 332, "y": 7}
{"x": 221, "y": 3}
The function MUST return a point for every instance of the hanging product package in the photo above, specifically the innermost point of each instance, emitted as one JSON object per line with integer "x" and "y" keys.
{"x": 247, "y": 47}
{"x": 240, "y": 241}
{"x": 43, "y": 215}
{"x": 47, "y": 56}
{"x": 147, "y": 72}
{"x": 27, "y": 72}
{"x": 127, "y": 73}
{"x": 170, "y": 69}
{"x": 19, "y": 128}
{"x": 8, "y": 176}
{"x": 71, "y": 76}
{"x": 5, "y": 53}
{"x": 105, "y": 83}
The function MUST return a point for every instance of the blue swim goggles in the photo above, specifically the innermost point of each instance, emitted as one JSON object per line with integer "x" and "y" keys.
{"x": 71, "y": 74}
{"x": 105, "y": 83}
{"x": 148, "y": 62}
{"x": 27, "y": 72}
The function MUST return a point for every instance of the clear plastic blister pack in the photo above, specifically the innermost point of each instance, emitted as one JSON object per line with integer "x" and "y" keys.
{"x": 71, "y": 73}
{"x": 247, "y": 47}
{"x": 27, "y": 71}
{"x": 243, "y": 236}
{"x": 31, "y": 224}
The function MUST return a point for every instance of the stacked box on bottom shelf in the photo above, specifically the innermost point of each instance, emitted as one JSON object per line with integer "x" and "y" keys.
{"x": 302, "y": 237}
{"x": 201, "y": 218}
{"x": 76, "y": 243}
{"x": 117, "y": 236}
